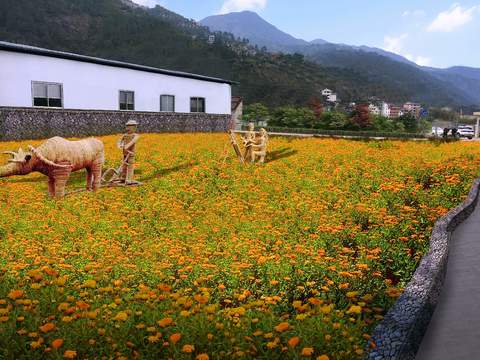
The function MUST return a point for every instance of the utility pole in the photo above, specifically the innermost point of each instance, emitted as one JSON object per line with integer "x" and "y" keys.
{"x": 477, "y": 128}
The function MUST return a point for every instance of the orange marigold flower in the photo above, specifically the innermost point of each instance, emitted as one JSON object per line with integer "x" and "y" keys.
{"x": 165, "y": 322}
{"x": 70, "y": 354}
{"x": 323, "y": 357}
{"x": 307, "y": 351}
{"x": 174, "y": 338}
{"x": 294, "y": 341}
{"x": 57, "y": 343}
{"x": 202, "y": 357}
{"x": 47, "y": 327}
{"x": 16, "y": 294}
{"x": 188, "y": 348}
{"x": 282, "y": 327}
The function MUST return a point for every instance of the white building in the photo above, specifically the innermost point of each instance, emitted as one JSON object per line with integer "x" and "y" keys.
{"x": 36, "y": 77}
{"x": 385, "y": 110}
{"x": 327, "y": 92}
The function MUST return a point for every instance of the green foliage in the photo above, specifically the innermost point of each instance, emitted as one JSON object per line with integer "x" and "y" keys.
{"x": 256, "y": 113}
{"x": 289, "y": 116}
{"x": 443, "y": 115}
{"x": 334, "y": 120}
{"x": 409, "y": 121}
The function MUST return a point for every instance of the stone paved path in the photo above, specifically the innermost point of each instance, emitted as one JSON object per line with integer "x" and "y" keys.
{"x": 454, "y": 331}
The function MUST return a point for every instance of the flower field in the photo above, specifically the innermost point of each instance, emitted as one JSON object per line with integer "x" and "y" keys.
{"x": 295, "y": 259}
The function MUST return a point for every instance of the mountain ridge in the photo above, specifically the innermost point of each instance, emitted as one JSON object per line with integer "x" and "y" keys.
{"x": 460, "y": 80}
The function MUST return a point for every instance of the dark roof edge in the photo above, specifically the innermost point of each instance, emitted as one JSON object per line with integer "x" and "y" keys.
{"x": 26, "y": 49}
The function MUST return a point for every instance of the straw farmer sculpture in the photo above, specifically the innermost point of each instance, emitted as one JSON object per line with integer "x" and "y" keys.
{"x": 127, "y": 144}
{"x": 57, "y": 158}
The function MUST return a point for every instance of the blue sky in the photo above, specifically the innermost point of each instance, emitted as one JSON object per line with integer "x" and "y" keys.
{"x": 438, "y": 33}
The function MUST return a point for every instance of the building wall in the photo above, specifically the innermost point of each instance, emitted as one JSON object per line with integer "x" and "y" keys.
{"x": 39, "y": 123}
{"x": 89, "y": 86}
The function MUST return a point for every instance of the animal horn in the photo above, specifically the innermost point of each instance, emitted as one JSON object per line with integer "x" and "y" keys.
{"x": 13, "y": 153}
{"x": 44, "y": 159}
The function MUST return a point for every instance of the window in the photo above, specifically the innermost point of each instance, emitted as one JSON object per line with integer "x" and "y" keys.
{"x": 127, "y": 100}
{"x": 167, "y": 103}
{"x": 197, "y": 105}
{"x": 47, "y": 94}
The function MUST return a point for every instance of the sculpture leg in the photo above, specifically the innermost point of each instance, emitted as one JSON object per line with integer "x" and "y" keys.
{"x": 89, "y": 179}
{"x": 97, "y": 175}
{"x": 51, "y": 186}
{"x": 130, "y": 170}
{"x": 60, "y": 176}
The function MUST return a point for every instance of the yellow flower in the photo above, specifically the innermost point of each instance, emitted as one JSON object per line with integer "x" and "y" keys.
{"x": 121, "y": 316}
{"x": 354, "y": 309}
{"x": 90, "y": 284}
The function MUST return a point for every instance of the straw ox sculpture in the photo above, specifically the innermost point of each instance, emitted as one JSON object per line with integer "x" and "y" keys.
{"x": 57, "y": 158}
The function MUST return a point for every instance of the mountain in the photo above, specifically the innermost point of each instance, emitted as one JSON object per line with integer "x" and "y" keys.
{"x": 121, "y": 30}
{"x": 251, "y": 26}
{"x": 458, "y": 85}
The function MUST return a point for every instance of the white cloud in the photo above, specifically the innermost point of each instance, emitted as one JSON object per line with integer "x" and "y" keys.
{"x": 453, "y": 18}
{"x": 148, "y": 3}
{"x": 413, "y": 13}
{"x": 241, "y": 5}
{"x": 419, "y": 60}
{"x": 396, "y": 44}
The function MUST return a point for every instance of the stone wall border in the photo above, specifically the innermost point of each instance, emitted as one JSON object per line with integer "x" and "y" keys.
{"x": 399, "y": 334}
{"x": 34, "y": 123}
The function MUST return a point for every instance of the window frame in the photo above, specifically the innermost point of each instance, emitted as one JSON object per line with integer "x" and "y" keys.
{"x": 120, "y": 98}
{"x": 204, "y": 105}
{"x": 46, "y": 83}
{"x": 174, "y": 100}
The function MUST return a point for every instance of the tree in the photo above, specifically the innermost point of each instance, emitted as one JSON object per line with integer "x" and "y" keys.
{"x": 255, "y": 113}
{"x": 409, "y": 121}
{"x": 316, "y": 106}
{"x": 334, "y": 120}
{"x": 361, "y": 118}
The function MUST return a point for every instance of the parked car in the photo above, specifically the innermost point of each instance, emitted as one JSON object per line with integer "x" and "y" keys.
{"x": 466, "y": 131}
{"x": 437, "y": 131}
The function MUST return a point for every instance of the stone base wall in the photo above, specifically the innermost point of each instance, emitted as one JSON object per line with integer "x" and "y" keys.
{"x": 399, "y": 334}
{"x": 40, "y": 123}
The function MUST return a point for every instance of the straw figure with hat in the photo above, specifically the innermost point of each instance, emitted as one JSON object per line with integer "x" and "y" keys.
{"x": 127, "y": 144}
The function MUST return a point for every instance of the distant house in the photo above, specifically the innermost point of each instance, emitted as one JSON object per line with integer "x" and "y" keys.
{"x": 374, "y": 109}
{"x": 327, "y": 92}
{"x": 211, "y": 39}
{"x": 395, "y": 111}
{"x": 329, "y": 96}
{"x": 413, "y": 108}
